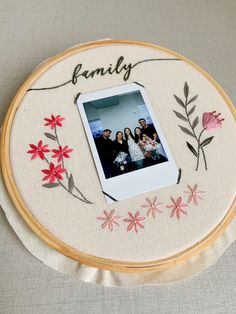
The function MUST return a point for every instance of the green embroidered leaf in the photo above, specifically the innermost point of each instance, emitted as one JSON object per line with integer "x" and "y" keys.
{"x": 50, "y": 185}
{"x": 186, "y": 89}
{"x": 180, "y": 116}
{"x": 195, "y": 123}
{"x": 71, "y": 183}
{"x": 192, "y": 99}
{"x": 206, "y": 141}
{"x": 185, "y": 130}
{"x": 191, "y": 110}
{"x": 192, "y": 149}
{"x": 51, "y": 136}
{"x": 179, "y": 101}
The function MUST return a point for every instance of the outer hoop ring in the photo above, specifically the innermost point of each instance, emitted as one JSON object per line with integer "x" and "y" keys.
{"x": 48, "y": 237}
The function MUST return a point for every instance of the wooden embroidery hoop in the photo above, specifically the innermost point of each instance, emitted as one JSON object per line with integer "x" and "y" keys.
{"x": 48, "y": 237}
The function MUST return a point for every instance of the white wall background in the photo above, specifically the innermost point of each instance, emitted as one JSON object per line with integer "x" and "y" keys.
{"x": 118, "y": 117}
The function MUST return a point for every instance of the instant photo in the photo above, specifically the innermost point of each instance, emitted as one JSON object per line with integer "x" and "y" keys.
{"x": 128, "y": 146}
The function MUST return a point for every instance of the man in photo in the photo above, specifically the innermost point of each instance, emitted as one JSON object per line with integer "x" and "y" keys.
{"x": 148, "y": 129}
{"x": 106, "y": 151}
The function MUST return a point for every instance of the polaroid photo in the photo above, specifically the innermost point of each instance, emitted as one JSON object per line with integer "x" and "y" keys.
{"x": 128, "y": 146}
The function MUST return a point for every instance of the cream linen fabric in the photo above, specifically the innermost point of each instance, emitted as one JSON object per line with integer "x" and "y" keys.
{"x": 85, "y": 273}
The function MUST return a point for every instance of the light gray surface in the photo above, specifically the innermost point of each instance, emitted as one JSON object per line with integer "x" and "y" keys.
{"x": 31, "y": 31}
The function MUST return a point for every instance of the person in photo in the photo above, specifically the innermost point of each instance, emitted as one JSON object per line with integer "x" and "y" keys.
{"x": 148, "y": 129}
{"x": 135, "y": 151}
{"x": 122, "y": 153}
{"x": 137, "y": 135}
{"x": 106, "y": 151}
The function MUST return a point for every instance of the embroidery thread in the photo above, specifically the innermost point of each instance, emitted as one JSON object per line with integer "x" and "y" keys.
{"x": 193, "y": 193}
{"x": 54, "y": 173}
{"x": 134, "y": 221}
{"x": 177, "y": 207}
{"x": 118, "y": 68}
{"x": 153, "y": 207}
{"x": 109, "y": 220}
{"x": 210, "y": 121}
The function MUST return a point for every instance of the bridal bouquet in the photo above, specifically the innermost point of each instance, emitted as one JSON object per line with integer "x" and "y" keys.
{"x": 150, "y": 147}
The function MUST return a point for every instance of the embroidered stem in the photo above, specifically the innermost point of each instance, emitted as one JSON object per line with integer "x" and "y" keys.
{"x": 67, "y": 175}
{"x": 197, "y": 138}
{"x": 64, "y": 187}
{"x": 198, "y": 150}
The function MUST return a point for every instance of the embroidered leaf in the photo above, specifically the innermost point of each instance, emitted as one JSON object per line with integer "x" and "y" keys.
{"x": 192, "y": 99}
{"x": 192, "y": 149}
{"x": 180, "y": 116}
{"x": 51, "y": 136}
{"x": 71, "y": 183}
{"x": 195, "y": 122}
{"x": 179, "y": 101}
{"x": 50, "y": 185}
{"x": 186, "y": 89}
{"x": 191, "y": 110}
{"x": 206, "y": 141}
{"x": 185, "y": 130}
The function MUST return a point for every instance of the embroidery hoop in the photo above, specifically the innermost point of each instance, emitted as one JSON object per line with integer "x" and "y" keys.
{"x": 47, "y": 236}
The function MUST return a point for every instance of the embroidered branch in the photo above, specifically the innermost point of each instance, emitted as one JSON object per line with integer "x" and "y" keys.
{"x": 210, "y": 121}
{"x": 54, "y": 173}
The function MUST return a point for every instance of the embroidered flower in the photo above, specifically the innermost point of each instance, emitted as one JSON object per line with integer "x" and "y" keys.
{"x": 152, "y": 207}
{"x": 109, "y": 219}
{"x": 61, "y": 152}
{"x": 38, "y": 151}
{"x": 134, "y": 221}
{"x": 211, "y": 120}
{"x": 177, "y": 207}
{"x": 54, "y": 121}
{"x": 194, "y": 194}
{"x": 53, "y": 173}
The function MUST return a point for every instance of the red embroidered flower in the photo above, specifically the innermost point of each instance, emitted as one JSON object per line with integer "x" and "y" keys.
{"x": 194, "y": 194}
{"x": 211, "y": 120}
{"x": 177, "y": 207}
{"x": 53, "y": 172}
{"x": 134, "y": 221}
{"x": 38, "y": 151}
{"x": 54, "y": 121}
{"x": 152, "y": 207}
{"x": 61, "y": 152}
{"x": 109, "y": 219}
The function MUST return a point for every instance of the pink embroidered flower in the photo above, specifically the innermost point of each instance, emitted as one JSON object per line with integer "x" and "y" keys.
{"x": 211, "y": 120}
{"x": 194, "y": 194}
{"x": 134, "y": 221}
{"x": 53, "y": 172}
{"x": 38, "y": 151}
{"x": 54, "y": 121}
{"x": 152, "y": 207}
{"x": 109, "y": 219}
{"x": 61, "y": 152}
{"x": 177, "y": 207}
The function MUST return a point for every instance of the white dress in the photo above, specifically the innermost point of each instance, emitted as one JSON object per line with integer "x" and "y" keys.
{"x": 135, "y": 150}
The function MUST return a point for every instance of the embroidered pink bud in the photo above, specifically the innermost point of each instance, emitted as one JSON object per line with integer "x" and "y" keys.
{"x": 211, "y": 120}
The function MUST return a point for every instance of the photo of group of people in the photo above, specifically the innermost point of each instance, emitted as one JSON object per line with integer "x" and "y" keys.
{"x": 130, "y": 150}
{"x": 127, "y": 143}
{"x": 124, "y": 134}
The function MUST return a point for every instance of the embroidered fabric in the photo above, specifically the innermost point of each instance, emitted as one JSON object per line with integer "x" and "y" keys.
{"x": 107, "y": 278}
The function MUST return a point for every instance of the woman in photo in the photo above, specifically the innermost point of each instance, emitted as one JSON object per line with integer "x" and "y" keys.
{"x": 135, "y": 151}
{"x": 122, "y": 153}
{"x": 137, "y": 135}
